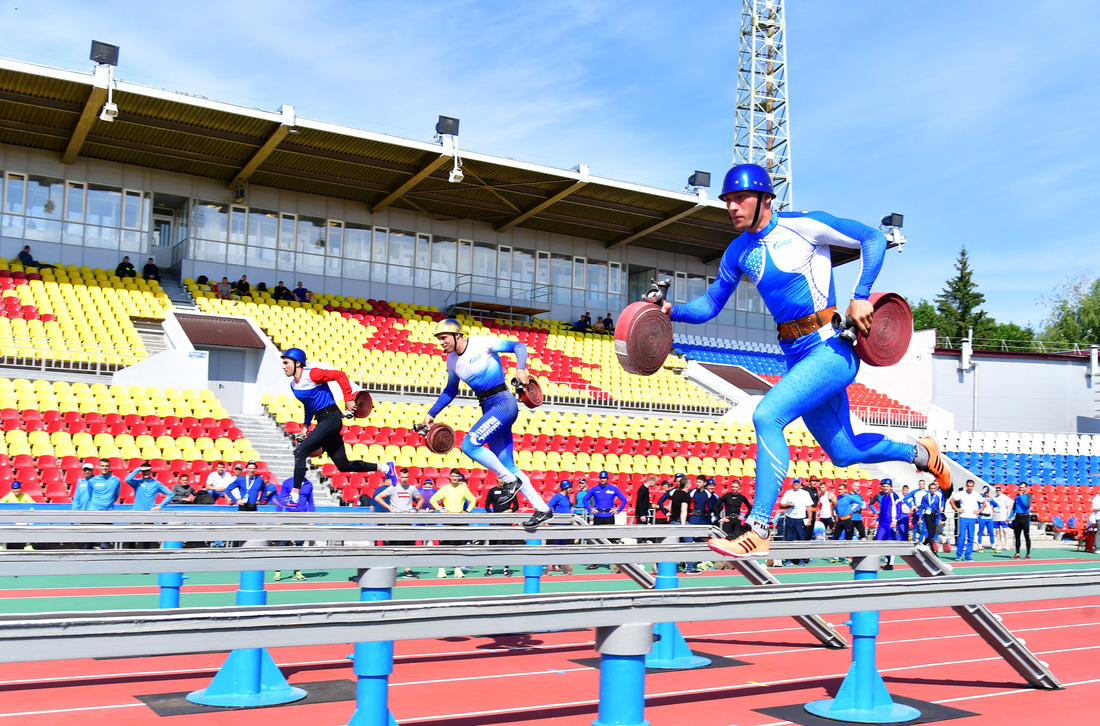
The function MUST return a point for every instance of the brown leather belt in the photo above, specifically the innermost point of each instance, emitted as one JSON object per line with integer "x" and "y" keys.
{"x": 803, "y": 326}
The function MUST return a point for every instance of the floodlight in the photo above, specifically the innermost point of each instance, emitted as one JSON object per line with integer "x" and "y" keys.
{"x": 892, "y": 220}
{"x": 447, "y": 126}
{"x": 104, "y": 53}
{"x": 456, "y": 176}
{"x": 109, "y": 112}
{"x": 699, "y": 179}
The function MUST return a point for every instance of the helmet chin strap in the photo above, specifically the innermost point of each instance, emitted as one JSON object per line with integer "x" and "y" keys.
{"x": 756, "y": 214}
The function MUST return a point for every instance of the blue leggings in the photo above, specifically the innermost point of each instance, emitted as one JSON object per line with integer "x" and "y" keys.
{"x": 489, "y": 441}
{"x": 814, "y": 388}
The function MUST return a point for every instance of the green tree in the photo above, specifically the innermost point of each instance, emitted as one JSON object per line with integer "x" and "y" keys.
{"x": 1074, "y": 312}
{"x": 959, "y": 304}
{"x": 1009, "y": 336}
{"x": 925, "y": 316}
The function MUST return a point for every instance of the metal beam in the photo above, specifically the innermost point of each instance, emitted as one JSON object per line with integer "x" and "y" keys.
{"x": 562, "y": 193}
{"x": 121, "y": 633}
{"x": 103, "y": 562}
{"x": 273, "y": 140}
{"x": 654, "y": 226}
{"x": 96, "y": 98}
{"x": 445, "y": 156}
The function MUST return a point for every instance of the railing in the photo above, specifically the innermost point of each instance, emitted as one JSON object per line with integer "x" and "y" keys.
{"x": 414, "y": 383}
{"x": 89, "y": 358}
{"x": 473, "y": 287}
{"x": 886, "y": 416}
{"x": 1014, "y": 346}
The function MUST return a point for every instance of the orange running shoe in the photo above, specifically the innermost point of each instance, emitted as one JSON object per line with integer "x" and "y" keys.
{"x": 937, "y": 465}
{"x": 749, "y": 544}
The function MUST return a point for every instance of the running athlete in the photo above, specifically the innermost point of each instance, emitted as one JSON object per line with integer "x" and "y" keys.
{"x": 786, "y": 255}
{"x": 476, "y": 362}
{"x": 309, "y": 383}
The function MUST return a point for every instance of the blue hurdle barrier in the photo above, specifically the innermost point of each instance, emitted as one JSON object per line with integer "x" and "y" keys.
{"x": 532, "y": 573}
{"x": 374, "y": 661}
{"x": 249, "y": 676}
{"x": 863, "y": 697}
{"x": 670, "y": 649}
{"x": 170, "y": 582}
{"x": 623, "y": 650}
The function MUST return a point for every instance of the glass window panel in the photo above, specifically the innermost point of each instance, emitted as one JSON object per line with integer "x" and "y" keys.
{"x": 485, "y": 260}
{"x": 45, "y": 196}
{"x": 696, "y": 286}
{"x": 261, "y": 257}
{"x": 400, "y": 275}
{"x": 523, "y": 265}
{"x": 286, "y": 231}
{"x": 310, "y": 264}
{"x": 311, "y": 231}
{"x": 444, "y": 258}
{"x": 102, "y": 237}
{"x": 208, "y": 250}
{"x": 442, "y": 280}
{"x": 465, "y": 256}
{"x": 73, "y": 233}
{"x": 679, "y": 287}
{"x": 597, "y": 276}
{"x": 131, "y": 209}
{"x": 335, "y": 241}
{"x": 263, "y": 228}
{"x": 378, "y": 249}
{"x": 423, "y": 252}
{"x": 333, "y": 266}
{"x": 615, "y": 279}
{"x": 402, "y": 248}
{"x": 542, "y": 269}
{"x": 210, "y": 221}
{"x": 356, "y": 244}
{"x": 133, "y": 240}
{"x": 12, "y": 226}
{"x": 13, "y": 193}
{"x": 504, "y": 263}
{"x": 74, "y": 203}
{"x": 42, "y": 230}
{"x": 104, "y": 206}
{"x": 578, "y": 272}
{"x": 561, "y": 278}
{"x": 579, "y": 298}
{"x": 284, "y": 260}
{"x": 356, "y": 270}
{"x": 238, "y": 221}
{"x": 235, "y": 254}
{"x": 423, "y": 278}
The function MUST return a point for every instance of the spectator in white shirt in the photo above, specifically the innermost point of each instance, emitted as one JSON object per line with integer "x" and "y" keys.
{"x": 218, "y": 480}
{"x": 796, "y": 504}
{"x": 967, "y": 503}
{"x": 1002, "y": 513}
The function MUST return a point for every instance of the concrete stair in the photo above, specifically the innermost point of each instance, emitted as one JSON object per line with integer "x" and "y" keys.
{"x": 278, "y": 451}
{"x": 177, "y": 293}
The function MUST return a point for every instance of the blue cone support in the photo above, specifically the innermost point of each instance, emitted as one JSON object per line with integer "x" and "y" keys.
{"x": 249, "y": 676}
{"x": 622, "y": 650}
{"x": 863, "y": 697}
{"x": 532, "y": 573}
{"x": 374, "y": 661}
{"x": 670, "y": 650}
{"x": 170, "y": 582}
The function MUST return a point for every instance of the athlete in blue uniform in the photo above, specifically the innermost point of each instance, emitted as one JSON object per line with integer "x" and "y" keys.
{"x": 476, "y": 362}
{"x": 310, "y": 385}
{"x": 787, "y": 256}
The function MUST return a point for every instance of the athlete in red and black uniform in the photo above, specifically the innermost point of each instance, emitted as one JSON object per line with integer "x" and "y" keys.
{"x": 310, "y": 386}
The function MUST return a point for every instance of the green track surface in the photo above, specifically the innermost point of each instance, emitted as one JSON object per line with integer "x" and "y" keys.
{"x": 338, "y": 589}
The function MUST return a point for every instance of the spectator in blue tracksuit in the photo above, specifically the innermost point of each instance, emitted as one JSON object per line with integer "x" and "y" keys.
{"x": 700, "y": 506}
{"x": 427, "y": 491}
{"x": 601, "y": 501}
{"x": 292, "y": 498}
{"x": 890, "y": 517}
{"x": 917, "y": 501}
{"x": 250, "y": 490}
{"x": 146, "y": 487}
{"x": 849, "y": 517}
{"x": 934, "y": 505}
{"x": 562, "y": 503}
{"x": 100, "y": 492}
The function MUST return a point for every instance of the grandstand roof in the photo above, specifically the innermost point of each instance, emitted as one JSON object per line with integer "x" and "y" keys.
{"x": 58, "y": 110}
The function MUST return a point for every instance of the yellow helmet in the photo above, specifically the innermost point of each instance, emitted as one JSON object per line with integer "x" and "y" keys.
{"x": 448, "y": 325}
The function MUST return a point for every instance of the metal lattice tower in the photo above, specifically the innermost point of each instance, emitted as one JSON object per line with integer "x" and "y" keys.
{"x": 762, "y": 131}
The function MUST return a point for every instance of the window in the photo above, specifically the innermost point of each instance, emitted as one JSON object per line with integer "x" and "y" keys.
{"x": 465, "y": 256}
{"x": 104, "y": 206}
{"x": 310, "y": 264}
{"x": 423, "y": 275}
{"x": 679, "y": 287}
{"x": 263, "y": 228}
{"x": 238, "y": 221}
{"x": 14, "y": 192}
{"x": 615, "y": 278}
{"x": 402, "y": 248}
{"x": 542, "y": 269}
{"x": 210, "y": 223}
{"x": 561, "y": 278}
{"x": 334, "y": 242}
{"x": 578, "y": 272}
{"x": 44, "y": 197}
{"x": 311, "y": 235}
{"x": 378, "y": 256}
{"x": 356, "y": 244}
{"x": 485, "y": 272}
{"x": 444, "y": 260}
{"x": 74, "y": 202}
{"x": 132, "y": 206}
{"x": 287, "y": 239}
{"x": 261, "y": 257}
{"x": 696, "y": 286}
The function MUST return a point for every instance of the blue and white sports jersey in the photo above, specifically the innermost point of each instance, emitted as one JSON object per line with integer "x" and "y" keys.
{"x": 790, "y": 263}
{"x": 478, "y": 367}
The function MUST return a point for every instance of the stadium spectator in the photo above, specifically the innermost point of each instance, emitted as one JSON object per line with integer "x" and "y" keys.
{"x": 967, "y": 504}
{"x": 608, "y": 324}
{"x": 401, "y": 498}
{"x": 291, "y": 498}
{"x": 849, "y": 518}
{"x": 985, "y": 519}
{"x": 584, "y": 324}
{"x": 97, "y": 493}
{"x": 580, "y": 496}
{"x": 182, "y": 491}
{"x": 1095, "y": 517}
{"x": 454, "y": 497}
{"x": 604, "y": 501}
{"x": 729, "y": 507}
{"x": 643, "y": 504}
{"x": 916, "y": 500}
{"x": 660, "y": 515}
{"x": 218, "y": 480}
{"x": 678, "y": 501}
{"x": 282, "y": 292}
{"x": 146, "y": 487}
{"x": 302, "y": 294}
{"x": 151, "y": 271}
{"x": 125, "y": 269}
{"x": 27, "y": 260}
{"x": 796, "y": 505}
{"x": 250, "y": 490}
{"x": 16, "y": 496}
{"x": 700, "y": 508}
{"x": 826, "y": 508}
{"x": 223, "y": 290}
{"x": 427, "y": 491}
{"x": 888, "y": 506}
{"x": 562, "y": 503}
{"x": 242, "y": 286}
{"x": 810, "y": 487}
{"x": 597, "y": 327}
{"x": 1021, "y": 518}
{"x": 1002, "y": 511}
{"x": 935, "y": 505}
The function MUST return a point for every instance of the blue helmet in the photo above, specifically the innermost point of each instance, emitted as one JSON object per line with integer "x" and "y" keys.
{"x": 295, "y": 354}
{"x": 565, "y": 484}
{"x": 747, "y": 178}
{"x": 887, "y": 482}
{"x": 604, "y": 475}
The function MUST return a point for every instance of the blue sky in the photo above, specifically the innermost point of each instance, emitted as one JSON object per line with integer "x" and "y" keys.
{"x": 978, "y": 120}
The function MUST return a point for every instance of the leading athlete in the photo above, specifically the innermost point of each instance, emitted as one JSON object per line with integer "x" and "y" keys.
{"x": 786, "y": 255}
{"x": 476, "y": 362}
{"x": 310, "y": 385}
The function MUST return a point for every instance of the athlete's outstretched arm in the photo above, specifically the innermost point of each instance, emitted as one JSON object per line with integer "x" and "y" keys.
{"x": 519, "y": 350}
